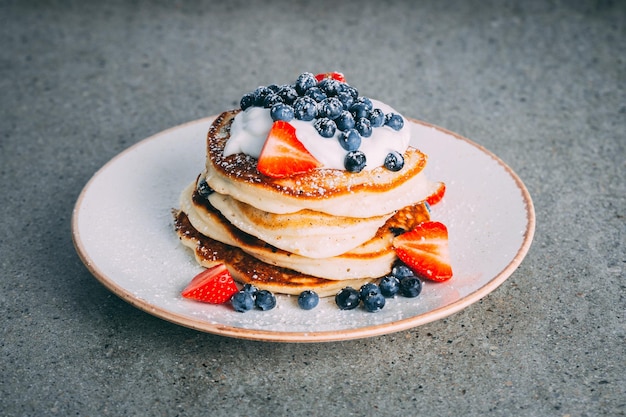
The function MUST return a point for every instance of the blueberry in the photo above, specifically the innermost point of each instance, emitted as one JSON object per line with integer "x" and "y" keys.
{"x": 377, "y": 118}
{"x": 305, "y": 108}
{"x": 350, "y": 140}
{"x": 260, "y": 93}
{"x": 251, "y": 289}
{"x": 363, "y": 126}
{"x": 288, "y": 94}
{"x": 274, "y": 88}
{"x": 355, "y": 161}
{"x": 368, "y": 289}
{"x": 347, "y": 298}
{"x": 400, "y": 270}
{"x": 394, "y": 121}
{"x": 316, "y": 94}
{"x": 330, "y": 107}
{"x": 203, "y": 188}
{"x": 353, "y": 91}
{"x": 366, "y": 101}
{"x": 271, "y": 99}
{"x": 346, "y": 99}
{"x": 374, "y": 302}
{"x": 410, "y": 286}
{"x": 345, "y": 121}
{"x": 329, "y": 86}
{"x": 248, "y": 100}
{"x": 359, "y": 110}
{"x": 265, "y": 300}
{"x": 394, "y": 161}
{"x": 282, "y": 111}
{"x": 242, "y": 301}
{"x": 325, "y": 127}
{"x": 305, "y": 81}
{"x": 389, "y": 286}
{"x": 308, "y": 300}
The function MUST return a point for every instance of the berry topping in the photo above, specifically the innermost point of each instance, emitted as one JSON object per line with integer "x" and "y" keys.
{"x": 377, "y": 118}
{"x": 305, "y": 81}
{"x": 203, "y": 188}
{"x": 308, "y": 300}
{"x": 316, "y": 94}
{"x": 242, "y": 301}
{"x": 359, "y": 110}
{"x": 425, "y": 250}
{"x": 330, "y": 104}
{"x": 368, "y": 289}
{"x": 394, "y": 121}
{"x": 350, "y": 140}
{"x": 355, "y": 161}
{"x": 347, "y": 298}
{"x": 305, "y": 108}
{"x": 214, "y": 285}
{"x": 248, "y": 100}
{"x": 250, "y": 289}
{"x": 330, "y": 108}
{"x": 259, "y": 95}
{"x": 271, "y": 99}
{"x": 288, "y": 94}
{"x": 410, "y": 287}
{"x": 436, "y": 197}
{"x": 345, "y": 121}
{"x": 363, "y": 126}
{"x": 394, "y": 161}
{"x": 282, "y": 111}
{"x": 334, "y": 75}
{"x": 389, "y": 286}
{"x": 374, "y": 302}
{"x": 325, "y": 127}
{"x": 264, "y": 300}
{"x": 283, "y": 154}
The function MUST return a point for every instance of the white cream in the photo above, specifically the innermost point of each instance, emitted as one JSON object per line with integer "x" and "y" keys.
{"x": 251, "y": 127}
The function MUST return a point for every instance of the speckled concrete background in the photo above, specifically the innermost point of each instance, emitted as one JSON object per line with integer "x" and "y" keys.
{"x": 540, "y": 84}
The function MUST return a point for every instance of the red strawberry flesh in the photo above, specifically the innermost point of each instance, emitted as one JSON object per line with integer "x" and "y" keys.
{"x": 425, "y": 250}
{"x": 214, "y": 285}
{"x": 283, "y": 154}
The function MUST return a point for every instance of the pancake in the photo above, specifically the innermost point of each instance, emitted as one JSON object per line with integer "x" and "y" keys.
{"x": 369, "y": 193}
{"x": 370, "y": 260}
{"x": 306, "y": 232}
{"x": 246, "y": 269}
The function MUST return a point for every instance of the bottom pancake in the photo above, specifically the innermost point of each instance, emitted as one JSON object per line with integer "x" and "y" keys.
{"x": 246, "y": 269}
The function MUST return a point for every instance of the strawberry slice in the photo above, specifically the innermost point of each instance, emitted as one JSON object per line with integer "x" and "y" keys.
{"x": 425, "y": 250}
{"x": 214, "y": 285}
{"x": 436, "y": 197}
{"x": 334, "y": 75}
{"x": 283, "y": 154}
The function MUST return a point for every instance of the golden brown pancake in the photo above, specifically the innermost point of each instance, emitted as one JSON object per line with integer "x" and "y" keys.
{"x": 369, "y": 260}
{"x": 246, "y": 269}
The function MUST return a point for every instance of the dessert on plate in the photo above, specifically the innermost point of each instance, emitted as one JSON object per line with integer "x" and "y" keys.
{"x": 306, "y": 188}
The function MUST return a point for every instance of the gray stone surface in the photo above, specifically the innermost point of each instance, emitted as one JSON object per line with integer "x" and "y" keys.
{"x": 541, "y": 84}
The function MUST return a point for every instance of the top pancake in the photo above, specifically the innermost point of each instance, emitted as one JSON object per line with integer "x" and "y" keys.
{"x": 368, "y": 193}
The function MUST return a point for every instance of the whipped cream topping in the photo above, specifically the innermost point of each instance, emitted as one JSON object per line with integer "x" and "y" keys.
{"x": 251, "y": 127}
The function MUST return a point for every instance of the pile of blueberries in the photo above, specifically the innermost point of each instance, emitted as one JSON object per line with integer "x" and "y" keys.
{"x": 332, "y": 105}
{"x": 400, "y": 281}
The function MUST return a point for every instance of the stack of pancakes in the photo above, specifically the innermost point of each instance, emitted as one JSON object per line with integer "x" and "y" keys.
{"x": 321, "y": 230}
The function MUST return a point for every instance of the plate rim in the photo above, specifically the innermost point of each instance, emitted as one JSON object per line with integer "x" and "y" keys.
{"x": 304, "y": 337}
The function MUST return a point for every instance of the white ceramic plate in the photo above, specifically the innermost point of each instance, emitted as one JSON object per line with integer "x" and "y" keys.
{"x": 123, "y": 231}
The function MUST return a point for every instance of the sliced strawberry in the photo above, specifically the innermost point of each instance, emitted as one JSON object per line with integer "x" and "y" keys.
{"x": 283, "y": 154}
{"x": 214, "y": 285}
{"x": 334, "y": 75}
{"x": 436, "y": 197}
{"x": 425, "y": 250}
